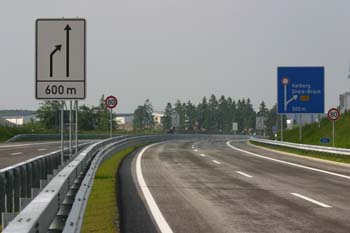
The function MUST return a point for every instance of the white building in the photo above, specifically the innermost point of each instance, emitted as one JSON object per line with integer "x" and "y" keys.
{"x": 20, "y": 120}
{"x": 157, "y": 117}
{"x": 344, "y": 102}
{"x": 125, "y": 121}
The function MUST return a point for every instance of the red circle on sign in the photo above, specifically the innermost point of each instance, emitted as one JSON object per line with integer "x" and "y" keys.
{"x": 333, "y": 114}
{"x": 111, "y": 101}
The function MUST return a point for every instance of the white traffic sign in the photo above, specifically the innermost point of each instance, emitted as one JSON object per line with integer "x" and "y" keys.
{"x": 333, "y": 114}
{"x": 111, "y": 102}
{"x": 60, "y": 59}
{"x": 234, "y": 126}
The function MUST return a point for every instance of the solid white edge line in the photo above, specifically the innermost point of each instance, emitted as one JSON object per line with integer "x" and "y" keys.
{"x": 289, "y": 163}
{"x": 17, "y": 153}
{"x": 311, "y": 200}
{"x": 203, "y": 155}
{"x": 244, "y": 174}
{"x": 156, "y": 213}
{"x": 215, "y": 161}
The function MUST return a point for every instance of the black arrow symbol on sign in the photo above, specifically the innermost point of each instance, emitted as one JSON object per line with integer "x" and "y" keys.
{"x": 57, "y": 48}
{"x": 67, "y": 29}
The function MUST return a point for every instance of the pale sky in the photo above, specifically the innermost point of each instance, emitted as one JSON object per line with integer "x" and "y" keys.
{"x": 166, "y": 50}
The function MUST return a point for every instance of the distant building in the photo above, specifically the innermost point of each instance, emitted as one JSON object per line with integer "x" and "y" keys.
{"x": 157, "y": 118}
{"x": 4, "y": 122}
{"x": 20, "y": 120}
{"x": 125, "y": 121}
{"x": 344, "y": 102}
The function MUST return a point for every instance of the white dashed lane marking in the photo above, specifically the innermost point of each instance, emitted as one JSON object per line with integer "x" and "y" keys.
{"x": 17, "y": 153}
{"x": 311, "y": 200}
{"x": 215, "y": 161}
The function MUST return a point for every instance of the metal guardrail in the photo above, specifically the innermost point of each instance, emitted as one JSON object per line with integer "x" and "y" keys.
{"x": 43, "y": 137}
{"x": 23, "y": 181}
{"x": 306, "y": 147}
{"x": 46, "y": 212}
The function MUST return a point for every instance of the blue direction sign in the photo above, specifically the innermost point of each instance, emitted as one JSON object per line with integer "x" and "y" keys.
{"x": 300, "y": 89}
{"x": 325, "y": 140}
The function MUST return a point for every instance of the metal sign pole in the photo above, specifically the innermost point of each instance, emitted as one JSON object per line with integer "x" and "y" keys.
{"x": 111, "y": 124}
{"x": 70, "y": 128}
{"x": 62, "y": 129}
{"x": 300, "y": 128}
{"x": 281, "y": 127}
{"x": 76, "y": 126}
{"x": 333, "y": 133}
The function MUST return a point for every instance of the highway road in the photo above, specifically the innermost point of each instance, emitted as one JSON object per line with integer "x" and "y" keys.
{"x": 220, "y": 186}
{"x": 12, "y": 153}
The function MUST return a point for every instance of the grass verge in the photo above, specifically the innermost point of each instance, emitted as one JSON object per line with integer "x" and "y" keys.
{"x": 101, "y": 214}
{"x": 313, "y": 154}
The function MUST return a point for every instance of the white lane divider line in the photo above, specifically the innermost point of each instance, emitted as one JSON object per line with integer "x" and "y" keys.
{"x": 17, "y": 153}
{"x": 203, "y": 155}
{"x": 289, "y": 163}
{"x": 244, "y": 174}
{"x": 215, "y": 161}
{"x": 41, "y": 149}
{"x": 195, "y": 150}
{"x": 311, "y": 200}
{"x": 157, "y": 215}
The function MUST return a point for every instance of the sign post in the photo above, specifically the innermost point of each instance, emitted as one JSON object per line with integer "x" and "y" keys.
{"x": 60, "y": 67}
{"x": 300, "y": 90}
{"x": 333, "y": 115}
{"x": 111, "y": 102}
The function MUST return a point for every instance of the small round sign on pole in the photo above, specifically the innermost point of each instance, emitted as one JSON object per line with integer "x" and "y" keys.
{"x": 333, "y": 115}
{"x": 111, "y": 102}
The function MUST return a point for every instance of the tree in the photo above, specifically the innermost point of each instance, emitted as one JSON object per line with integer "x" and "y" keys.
{"x": 102, "y": 115}
{"x": 167, "y": 118}
{"x": 86, "y": 118}
{"x": 143, "y": 118}
{"x": 48, "y": 114}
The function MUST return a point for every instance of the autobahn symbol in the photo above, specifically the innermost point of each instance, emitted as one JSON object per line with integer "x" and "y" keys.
{"x": 60, "y": 58}
{"x": 333, "y": 114}
{"x": 111, "y": 102}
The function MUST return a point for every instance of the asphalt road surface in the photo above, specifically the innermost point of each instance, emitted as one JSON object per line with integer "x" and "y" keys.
{"x": 12, "y": 153}
{"x": 214, "y": 186}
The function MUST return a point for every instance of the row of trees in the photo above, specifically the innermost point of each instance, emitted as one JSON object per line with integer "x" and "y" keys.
{"x": 217, "y": 115}
{"x": 90, "y": 118}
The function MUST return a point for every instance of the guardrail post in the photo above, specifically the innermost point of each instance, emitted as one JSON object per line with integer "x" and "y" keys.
{"x": 29, "y": 179}
{"x": 24, "y": 185}
{"x": 42, "y": 169}
{"x": 36, "y": 174}
{"x": 9, "y": 191}
{"x": 2, "y": 194}
{"x": 16, "y": 188}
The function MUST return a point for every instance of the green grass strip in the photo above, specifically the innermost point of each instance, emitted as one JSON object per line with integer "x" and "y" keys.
{"x": 326, "y": 156}
{"x": 101, "y": 214}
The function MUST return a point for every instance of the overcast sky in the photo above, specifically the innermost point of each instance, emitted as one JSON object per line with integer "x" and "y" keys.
{"x": 166, "y": 50}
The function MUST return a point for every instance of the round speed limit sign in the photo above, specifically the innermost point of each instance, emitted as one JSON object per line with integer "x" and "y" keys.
{"x": 333, "y": 114}
{"x": 111, "y": 102}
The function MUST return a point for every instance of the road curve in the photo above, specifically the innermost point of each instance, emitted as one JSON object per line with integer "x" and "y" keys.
{"x": 216, "y": 186}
